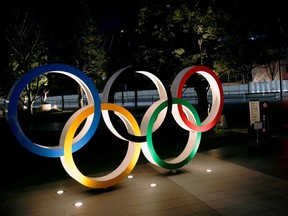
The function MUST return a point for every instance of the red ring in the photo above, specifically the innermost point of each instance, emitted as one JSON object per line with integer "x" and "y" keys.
{"x": 202, "y": 127}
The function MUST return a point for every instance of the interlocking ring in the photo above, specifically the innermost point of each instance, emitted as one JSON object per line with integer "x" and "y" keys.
{"x": 217, "y": 99}
{"x": 123, "y": 169}
{"x": 138, "y": 137}
{"x": 191, "y": 146}
{"x": 88, "y": 129}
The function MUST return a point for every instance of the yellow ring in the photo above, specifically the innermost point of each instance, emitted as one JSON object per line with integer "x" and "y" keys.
{"x": 123, "y": 169}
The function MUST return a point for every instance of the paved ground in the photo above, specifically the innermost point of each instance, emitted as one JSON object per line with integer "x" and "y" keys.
{"x": 244, "y": 180}
{"x": 229, "y": 189}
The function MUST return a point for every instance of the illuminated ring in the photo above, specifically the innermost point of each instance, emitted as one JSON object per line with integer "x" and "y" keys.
{"x": 192, "y": 144}
{"x": 163, "y": 96}
{"x": 217, "y": 93}
{"x": 123, "y": 170}
{"x": 92, "y": 98}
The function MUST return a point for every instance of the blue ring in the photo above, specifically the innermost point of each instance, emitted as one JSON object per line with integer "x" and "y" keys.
{"x": 13, "y": 99}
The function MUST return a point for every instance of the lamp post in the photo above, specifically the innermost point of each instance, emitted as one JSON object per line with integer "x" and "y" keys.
{"x": 280, "y": 79}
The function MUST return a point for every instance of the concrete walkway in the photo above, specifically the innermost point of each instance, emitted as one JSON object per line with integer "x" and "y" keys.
{"x": 241, "y": 181}
{"x": 229, "y": 189}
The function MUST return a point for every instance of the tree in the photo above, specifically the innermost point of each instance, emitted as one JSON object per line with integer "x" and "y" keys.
{"x": 27, "y": 51}
{"x": 273, "y": 58}
{"x": 90, "y": 55}
{"x": 175, "y": 35}
{"x": 75, "y": 39}
{"x": 236, "y": 56}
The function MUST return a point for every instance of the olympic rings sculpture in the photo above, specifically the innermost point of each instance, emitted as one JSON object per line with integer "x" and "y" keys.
{"x": 139, "y": 137}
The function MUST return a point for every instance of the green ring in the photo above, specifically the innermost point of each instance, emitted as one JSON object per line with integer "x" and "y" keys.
{"x": 151, "y": 122}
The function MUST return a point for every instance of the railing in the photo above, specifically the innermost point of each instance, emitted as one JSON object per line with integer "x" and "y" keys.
{"x": 260, "y": 90}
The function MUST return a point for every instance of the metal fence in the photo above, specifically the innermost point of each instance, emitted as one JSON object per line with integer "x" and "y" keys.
{"x": 254, "y": 90}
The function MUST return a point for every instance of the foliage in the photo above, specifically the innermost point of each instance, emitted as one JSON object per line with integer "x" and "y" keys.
{"x": 175, "y": 35}
{"x": 79, "y": 44}
{"x": 27, "y": 51}
{"x": 169, "y": 36}
{"x": 33, "y": 42}
{"x": 89, "y": 53}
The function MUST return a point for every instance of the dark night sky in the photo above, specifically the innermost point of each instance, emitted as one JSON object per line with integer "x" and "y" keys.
{"x": 115, "y": 14}
{"x": 112, "y": 14}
